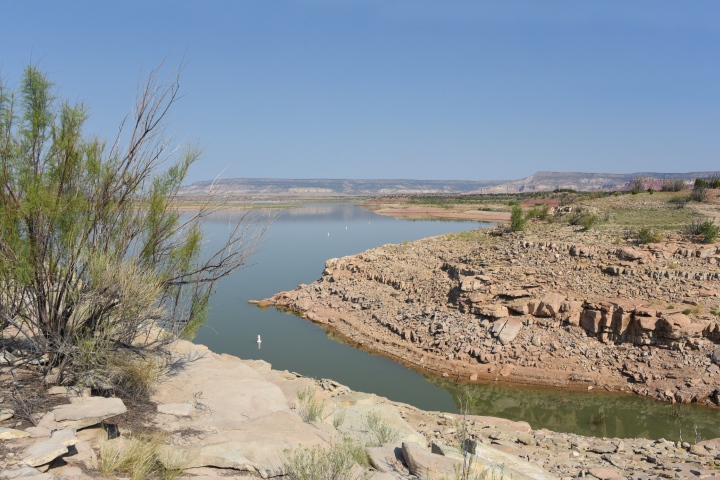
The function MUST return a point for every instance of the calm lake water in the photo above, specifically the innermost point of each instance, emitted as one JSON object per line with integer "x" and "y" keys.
{"x": 294, "y": 251}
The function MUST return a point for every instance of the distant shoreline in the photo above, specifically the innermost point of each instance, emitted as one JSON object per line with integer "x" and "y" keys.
{"x": 397, "y": 210}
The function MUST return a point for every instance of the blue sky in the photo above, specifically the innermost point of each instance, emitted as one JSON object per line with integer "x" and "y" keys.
{"x": 396, "y": 89}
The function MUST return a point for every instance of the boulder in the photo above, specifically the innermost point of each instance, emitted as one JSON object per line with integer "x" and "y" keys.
{"x": 550, "y": 305}
{"x": 386, "y": 458}
{"x": 606, "y": 473}
{"x": 10, "y": 433}
{"x": 715, "y": 356}
{"x": 26, "y": 472}
{"x": 425, "y": 464}
{"x": 632, "y": 255}
{"x": 84, "y": 412}
{"x": 590, "y": 320}
{"x": 507, "y": 329}
{"x": 492, "y": 310}
{"x": 43, "y": 452}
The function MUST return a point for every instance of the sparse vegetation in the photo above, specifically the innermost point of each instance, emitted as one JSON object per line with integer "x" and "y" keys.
{"x": 311, "y": 409}
{"x": 586, "y": 220}
{"x": 141, "y": 457}
{"x": 541, "y": 212}
{"x": 649, "y": 235}
{"x": 334, "y": 462}
{"x": 675, "y": 185}
{"x": 339, "y": 417}
{"x": 699, "y": 191}
{"x": 705, "y": 230}
{"x": 381, "y": 430}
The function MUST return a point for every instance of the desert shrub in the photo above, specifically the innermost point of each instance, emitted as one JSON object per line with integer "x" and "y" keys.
{"x": 584, "y": 219}
{"x": 541, "y": 212}
{"x": 381, "y": 430}
{"x": 649, "y": 235}
{"x": 94, "y": 248}
{"x": 517, "y": 220}
{"x": 679, "y": 201}
{"x": 339, "y": 417}
{"x": 311, "y": 409}
{"x": 705, "y": 229}
{"x": 674, "y": 185}
{"x": 699, "y": 191}
{"x": 334, "y": 462}
{"x": 637, "y": 185}
{"x": 713, "y": 181}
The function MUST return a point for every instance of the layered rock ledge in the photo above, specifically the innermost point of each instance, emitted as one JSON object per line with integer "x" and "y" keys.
{"x": 551, "y": 306}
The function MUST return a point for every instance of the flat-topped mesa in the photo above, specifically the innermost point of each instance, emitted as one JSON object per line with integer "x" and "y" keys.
{"x": 531, "y": 307}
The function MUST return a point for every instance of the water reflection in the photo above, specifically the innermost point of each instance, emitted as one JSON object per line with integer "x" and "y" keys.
{"x": 599, "y": 414}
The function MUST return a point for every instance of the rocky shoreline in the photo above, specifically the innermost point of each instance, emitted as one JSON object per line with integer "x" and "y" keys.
{"x": 551, "y": 306}
{"x": 223, "y": 417}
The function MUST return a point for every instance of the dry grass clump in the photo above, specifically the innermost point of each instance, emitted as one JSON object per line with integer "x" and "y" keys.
{"x": 141, "y": 457}
{"x": 311, "y": 409}
{"x": 381, "y": 430}
{"x": 335, "y": 462}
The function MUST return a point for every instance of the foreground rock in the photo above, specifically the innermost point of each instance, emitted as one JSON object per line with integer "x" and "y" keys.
{"x": 245, "y": 419}
{"x": 550, "y": 306}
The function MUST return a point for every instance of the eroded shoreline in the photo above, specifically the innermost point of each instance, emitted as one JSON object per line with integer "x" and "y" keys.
{"x": 530, "y": 308}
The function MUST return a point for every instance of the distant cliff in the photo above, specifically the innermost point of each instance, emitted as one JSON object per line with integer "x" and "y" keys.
{"x": 269, "y": 188}
{"x": 548, "y": 181}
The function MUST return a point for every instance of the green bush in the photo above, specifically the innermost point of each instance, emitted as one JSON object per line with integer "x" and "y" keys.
{"x": 648, "y": 235}
{"x": 541, "y": 212}
{"x": 705, "y": 229}
{"x": 517, "y": 220}
{"x": 94, "y": 248}
{"x": 699, "y": 192}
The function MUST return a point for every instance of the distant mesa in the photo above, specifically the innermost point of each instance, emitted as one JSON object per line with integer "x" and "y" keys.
{"x": 277, "y": 188}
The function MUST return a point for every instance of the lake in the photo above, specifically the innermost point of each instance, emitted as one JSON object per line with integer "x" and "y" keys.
{"x": 294, "y": 250}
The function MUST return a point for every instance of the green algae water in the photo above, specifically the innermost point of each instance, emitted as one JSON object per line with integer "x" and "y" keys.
{"x": 294, "y": 250}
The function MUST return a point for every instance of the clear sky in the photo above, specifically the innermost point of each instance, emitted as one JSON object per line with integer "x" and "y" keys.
{"x": 445, "y": 89}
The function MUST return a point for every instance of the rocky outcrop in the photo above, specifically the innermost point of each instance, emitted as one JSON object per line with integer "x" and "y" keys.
{"x": 533, "y": 307}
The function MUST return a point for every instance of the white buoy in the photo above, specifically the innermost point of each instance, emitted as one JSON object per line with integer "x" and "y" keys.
{"x": 259, "y": 341}
{"x": 345, "y": 228}
{"x": 328, "y": 234}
